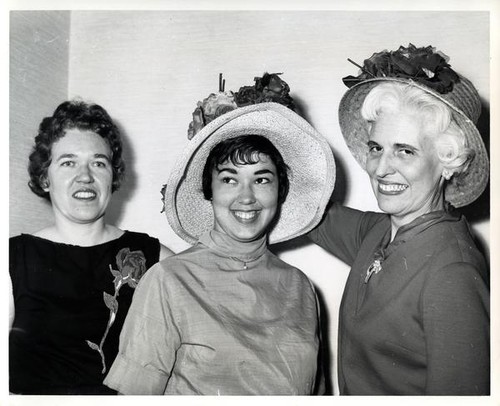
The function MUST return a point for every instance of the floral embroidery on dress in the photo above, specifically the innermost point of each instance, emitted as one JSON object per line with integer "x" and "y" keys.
{"x": 131, "y": 267}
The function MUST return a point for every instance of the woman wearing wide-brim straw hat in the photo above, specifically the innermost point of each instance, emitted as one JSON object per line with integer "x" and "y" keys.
{"x": 414, "y": 318}
{"x": 227, "y": 317}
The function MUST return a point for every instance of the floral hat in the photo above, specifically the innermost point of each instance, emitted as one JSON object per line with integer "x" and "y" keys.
{"x": 265, "y": 109}
{"x": 429, "y": 71}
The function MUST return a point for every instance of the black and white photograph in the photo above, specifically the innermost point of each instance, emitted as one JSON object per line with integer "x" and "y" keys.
{"x": 222, "y": 199}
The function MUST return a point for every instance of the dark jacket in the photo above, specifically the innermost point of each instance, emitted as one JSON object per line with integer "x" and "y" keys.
{"x": 421, "y": 325}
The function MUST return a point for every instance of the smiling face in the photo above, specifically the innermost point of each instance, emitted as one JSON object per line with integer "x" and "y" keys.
{"x": 404, "y": 169}
{"x": 80, "y": 177}
{"x": 245, "y": 198}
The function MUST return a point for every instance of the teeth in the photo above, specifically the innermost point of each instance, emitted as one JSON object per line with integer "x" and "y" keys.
{"x": 392, "y": 188}
{"x": 245, "y": 215}
{"x": 84, "y": 195}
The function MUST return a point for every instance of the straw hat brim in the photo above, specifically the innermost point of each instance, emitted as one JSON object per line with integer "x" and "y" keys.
{"x": 460, "y": 190}
{"x": 308, "y": 155}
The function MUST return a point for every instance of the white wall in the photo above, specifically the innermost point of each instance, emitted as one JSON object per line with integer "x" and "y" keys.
{"x": 39, "y": 57}
{"x": 148, "y": 69}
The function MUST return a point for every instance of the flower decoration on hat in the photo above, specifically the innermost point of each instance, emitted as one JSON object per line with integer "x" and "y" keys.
{"x": 423, "y": 65}
{"x": 215, "y": 105}
{"x": 268, "y": 88}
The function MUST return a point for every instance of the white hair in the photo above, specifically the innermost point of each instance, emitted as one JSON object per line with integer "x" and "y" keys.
{"x": 437, "y": 119}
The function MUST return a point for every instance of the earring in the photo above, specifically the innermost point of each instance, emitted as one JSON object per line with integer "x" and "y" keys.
{"x": 447, "y": 174}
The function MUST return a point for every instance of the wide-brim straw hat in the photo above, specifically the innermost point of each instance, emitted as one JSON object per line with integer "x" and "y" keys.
{"x": 308, "y": 155}
{"x": 465, "y": 105}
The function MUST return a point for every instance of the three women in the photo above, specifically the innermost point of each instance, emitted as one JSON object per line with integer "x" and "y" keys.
{"x": 415, "y": 312}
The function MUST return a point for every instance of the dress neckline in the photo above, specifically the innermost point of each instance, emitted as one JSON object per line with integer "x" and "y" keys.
{"x": 47, "y": 241}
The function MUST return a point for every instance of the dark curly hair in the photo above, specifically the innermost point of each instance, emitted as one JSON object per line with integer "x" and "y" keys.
{"x": 243, "y": 150}
{"x": 74, "y": 114}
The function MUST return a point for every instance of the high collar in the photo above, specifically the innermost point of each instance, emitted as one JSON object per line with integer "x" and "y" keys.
{"x": 230, "y": 248}
{"x": 425, "y": 221}
{"x": 417, "y": 226}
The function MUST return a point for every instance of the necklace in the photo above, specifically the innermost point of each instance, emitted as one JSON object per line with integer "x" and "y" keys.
{"x": 240, "y": 260}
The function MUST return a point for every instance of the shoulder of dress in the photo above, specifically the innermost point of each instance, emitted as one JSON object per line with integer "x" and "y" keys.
{"x": 281, "y": 266}
{"x": 373, "y": 219}
{"x": 141, "y": 238}
{"x": 16, "y": 242}
{"x": 24, "y": 239}
{"x": 453, "y": 238}
{"x": 136, "y": 234}
{"x": 192, "y": 254}
{"x": 16, "y": 238}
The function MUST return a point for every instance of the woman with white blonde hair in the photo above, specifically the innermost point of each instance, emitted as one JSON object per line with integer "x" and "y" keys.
{"x": 436, "y": 118}
{"x": 414, "y": 317}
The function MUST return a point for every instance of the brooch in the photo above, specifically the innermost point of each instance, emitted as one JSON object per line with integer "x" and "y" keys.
{"x": 375, "y": 267}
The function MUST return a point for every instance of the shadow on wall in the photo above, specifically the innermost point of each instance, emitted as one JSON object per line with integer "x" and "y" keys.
{"x": 479, "y": 210}
{"x": 114, "y": 213}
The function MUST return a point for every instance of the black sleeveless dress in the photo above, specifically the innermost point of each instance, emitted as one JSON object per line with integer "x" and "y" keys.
{"x": 70, "y": 305}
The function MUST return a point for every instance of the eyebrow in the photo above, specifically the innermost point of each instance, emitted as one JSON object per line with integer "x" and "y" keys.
{"x": 397, "y": 145}
{"x": 406, "y": 146}
{"x": 230, "y": 170}
{"x": 264, "y": 171}
{"x": 102, "y": 156}
{"x": 98, "y": 156}
{"x": 235, "y": 172}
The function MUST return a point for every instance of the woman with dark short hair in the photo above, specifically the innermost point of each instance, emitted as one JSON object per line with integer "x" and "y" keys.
{"x": 73, "y": 281}
{"x": 227, "y": 317}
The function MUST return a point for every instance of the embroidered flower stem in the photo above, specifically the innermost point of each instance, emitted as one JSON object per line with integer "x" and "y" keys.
{"x": 112, "y": 304}
{"x": 132, "y": 266}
